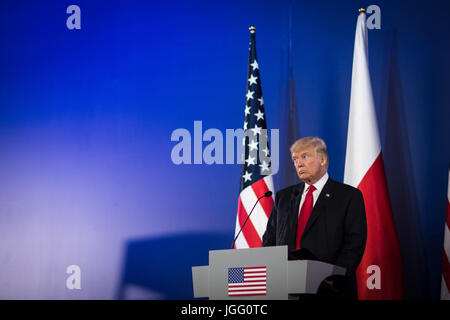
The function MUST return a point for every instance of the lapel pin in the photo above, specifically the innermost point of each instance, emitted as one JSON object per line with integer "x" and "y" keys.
{"x": 327, "y": 195}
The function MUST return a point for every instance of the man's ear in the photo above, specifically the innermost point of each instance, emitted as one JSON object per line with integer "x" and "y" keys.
{"x": 323, "y": 160}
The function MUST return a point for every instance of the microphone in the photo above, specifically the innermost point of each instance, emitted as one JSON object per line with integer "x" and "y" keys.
{"x": 267, "y": 194}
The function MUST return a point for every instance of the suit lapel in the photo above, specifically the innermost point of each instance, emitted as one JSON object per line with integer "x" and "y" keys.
{"x": 321, "y": 204}
{"x": 293, "y": 214}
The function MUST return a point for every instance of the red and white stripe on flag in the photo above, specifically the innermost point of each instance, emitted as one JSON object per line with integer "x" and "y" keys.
{"x": 364, "y": 169}
{"x": 253, "y": 231}
{"x": 445, "y": 286}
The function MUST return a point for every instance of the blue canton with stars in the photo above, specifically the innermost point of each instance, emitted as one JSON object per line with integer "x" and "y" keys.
{"x": 235, "y": 275}
{"x": 256, "y": 155}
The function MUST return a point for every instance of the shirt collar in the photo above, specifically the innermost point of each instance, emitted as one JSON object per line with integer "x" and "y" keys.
{"x": 319, "y": 184}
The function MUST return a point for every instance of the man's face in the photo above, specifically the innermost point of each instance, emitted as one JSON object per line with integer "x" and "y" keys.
{"x": 309, "y": 165}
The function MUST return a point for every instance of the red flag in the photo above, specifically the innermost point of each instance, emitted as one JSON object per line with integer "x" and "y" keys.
{"x": 445, "y": 284}
{"x": 379, "y": 275}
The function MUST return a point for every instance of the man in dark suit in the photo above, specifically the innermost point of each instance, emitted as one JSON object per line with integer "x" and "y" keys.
{"x": 320, "y": 216}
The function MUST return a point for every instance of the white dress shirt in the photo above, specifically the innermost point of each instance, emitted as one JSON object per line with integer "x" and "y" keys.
{"x": 318, "y": 185}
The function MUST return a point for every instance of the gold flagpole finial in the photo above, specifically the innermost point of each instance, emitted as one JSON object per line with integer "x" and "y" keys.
{"x": 362, "y": 10}
{"x": 252, "y": 29}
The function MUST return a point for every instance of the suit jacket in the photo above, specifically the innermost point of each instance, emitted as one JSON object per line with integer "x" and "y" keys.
{"x": 336, "y": 231}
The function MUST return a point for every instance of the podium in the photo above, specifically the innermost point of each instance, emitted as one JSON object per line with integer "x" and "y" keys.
{"x": 258, "y": 273}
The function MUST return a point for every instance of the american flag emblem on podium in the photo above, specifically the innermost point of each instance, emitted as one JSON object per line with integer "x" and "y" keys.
{"x": 247, "y": 281}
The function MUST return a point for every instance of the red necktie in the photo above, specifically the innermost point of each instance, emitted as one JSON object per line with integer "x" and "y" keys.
{"x": 305, "y": 212}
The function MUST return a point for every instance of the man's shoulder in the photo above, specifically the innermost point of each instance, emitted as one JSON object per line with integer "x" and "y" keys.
{"x": 294, "y": 189}
{"x": 343, "y": 187}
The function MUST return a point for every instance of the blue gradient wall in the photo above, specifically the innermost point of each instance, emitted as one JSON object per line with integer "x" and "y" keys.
{"x": 86, "y": 117}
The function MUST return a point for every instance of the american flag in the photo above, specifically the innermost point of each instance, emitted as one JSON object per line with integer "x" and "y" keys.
{"x": 247, "y": 281}
{"x": 256, "y": 178}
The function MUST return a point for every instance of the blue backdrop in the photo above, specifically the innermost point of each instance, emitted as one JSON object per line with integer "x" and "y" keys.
{"x": 86, "y": 117}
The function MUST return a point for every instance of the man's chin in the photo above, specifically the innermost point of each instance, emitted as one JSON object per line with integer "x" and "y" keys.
{"x": 304, "y": 178}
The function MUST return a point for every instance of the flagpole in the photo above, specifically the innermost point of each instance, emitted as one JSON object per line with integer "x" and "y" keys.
{"x": 380, "y": 272}
{"x": 256, "y": 180}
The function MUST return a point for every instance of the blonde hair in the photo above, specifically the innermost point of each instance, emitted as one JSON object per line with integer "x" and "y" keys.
{"x": 316, "y": 142}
